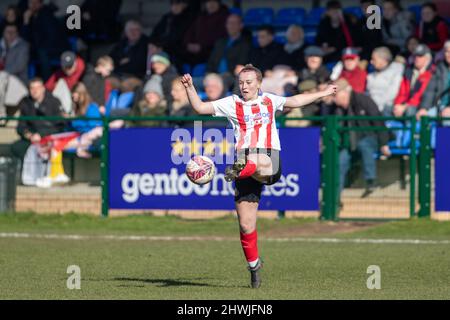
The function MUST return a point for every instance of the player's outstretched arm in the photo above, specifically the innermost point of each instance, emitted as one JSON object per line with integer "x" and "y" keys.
{"x": 301, "y": 100}
{"x": 196, "y": 103}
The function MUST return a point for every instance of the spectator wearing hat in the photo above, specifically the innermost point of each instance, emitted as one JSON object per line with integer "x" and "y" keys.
{"x": 162, "y": 67}
{"x": 169, "y": 32}
{"x": 130, "y": 54}
{"x": 306, "y": 86}
{"x": 205, "y": 31}
{"x": 269, "y": 53}
{"x": 152, "y": 104}
{"x": 72, "y": 68}
{"x": 414, "y": 83}
{"x": 383, "y": 84}
{"x": 14, "y": 53}
{"x": 366, "y": 143}
{"x": 352, "y": 72}
{"x": 314, "y": 69}
{"x": 336, "y": 31}
{"x": 436, "y": 98}
{"x": 432, "y": 29}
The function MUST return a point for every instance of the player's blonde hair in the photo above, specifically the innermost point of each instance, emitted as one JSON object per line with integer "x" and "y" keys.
{"x": 251, "y": 68}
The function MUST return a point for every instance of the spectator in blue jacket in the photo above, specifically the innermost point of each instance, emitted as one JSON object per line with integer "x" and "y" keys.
{"x": 90, "y": 130}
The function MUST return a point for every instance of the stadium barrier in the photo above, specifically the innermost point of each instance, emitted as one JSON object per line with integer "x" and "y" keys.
{"x": 419, "y": 152}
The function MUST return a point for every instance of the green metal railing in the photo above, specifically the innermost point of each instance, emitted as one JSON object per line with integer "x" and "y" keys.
{"x": 332, "y": 132}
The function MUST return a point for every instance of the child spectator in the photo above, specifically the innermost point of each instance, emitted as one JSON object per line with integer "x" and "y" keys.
{"x": 97, "y": 82}
{"x": 179, "y": 104}
{"x": 90, "y": 130}
{"x": 432, "y": 30}
{"x": 153, "y": 104}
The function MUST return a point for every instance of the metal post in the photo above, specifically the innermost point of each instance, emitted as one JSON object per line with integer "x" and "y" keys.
{"x": 425, "y": 168}
{"x": 330, "y": 172}
{"x": 104, "y": 167}
{"x": 412, "y": 169}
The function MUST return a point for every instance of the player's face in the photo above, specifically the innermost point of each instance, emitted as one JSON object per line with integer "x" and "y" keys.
{"x": 249, "y": 85}
{"x": 350, "y": 64}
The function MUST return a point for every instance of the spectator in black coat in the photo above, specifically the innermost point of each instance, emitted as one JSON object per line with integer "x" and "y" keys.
{"x": 370, "y": 38}
{"x": 337, "y": 31}
{"x": 269, "y": 53}
{"x": 169, "y": 32}
{"x": 40, "y": 102}
{"x": 100, "y": 20}
{"x": 295, "y": 47}
{"x": 130, "y": 54}
{"x": 314, "y": 69}
{"x": 45, "y": 34}
{"x": 230, "y": 52}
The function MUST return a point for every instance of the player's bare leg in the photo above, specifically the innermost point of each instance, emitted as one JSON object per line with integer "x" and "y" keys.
{"x": 247, "y": 223}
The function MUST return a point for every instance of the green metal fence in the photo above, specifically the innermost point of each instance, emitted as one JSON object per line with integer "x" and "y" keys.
{"x": 332, "y": 132}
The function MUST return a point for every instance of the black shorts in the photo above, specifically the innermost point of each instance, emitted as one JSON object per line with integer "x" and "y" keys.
{"x": 250, "y": 189}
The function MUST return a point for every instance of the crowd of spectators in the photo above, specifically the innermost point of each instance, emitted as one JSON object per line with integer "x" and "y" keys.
{"x": 400, "y": 69}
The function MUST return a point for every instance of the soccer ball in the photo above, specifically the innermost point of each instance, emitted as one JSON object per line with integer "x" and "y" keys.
{"x": 200, "y": 170}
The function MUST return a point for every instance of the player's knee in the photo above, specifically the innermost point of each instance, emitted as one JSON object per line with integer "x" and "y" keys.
{"x": 247, "y": 228}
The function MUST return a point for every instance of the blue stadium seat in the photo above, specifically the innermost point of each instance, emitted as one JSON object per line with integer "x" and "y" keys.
{"x": 202, "y": 95}
{"x": 313, "y": 17}
{"x": 186, "y": 68}
{"x": 416, "y": 9}
{"x": 288, "y": 16}
{"x": 199, "y": 70}
{"x": 280, "y": 37}
{"x": 330, "y": 66}
{"x": 237, "y": 11}
{"x": 310, "y": 34}
{"x": 31, "y": 70}
{"x": 255, "y": 17}
{"x": 119, "y": 100}
{"x": 401, "y": 145}
{"x": 356, "y": 11}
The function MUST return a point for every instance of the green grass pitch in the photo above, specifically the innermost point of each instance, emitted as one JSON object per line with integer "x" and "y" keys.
{"x": 201, "y": 268}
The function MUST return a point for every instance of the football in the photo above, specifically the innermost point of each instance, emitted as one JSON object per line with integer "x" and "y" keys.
{"x": 200, "y": 169}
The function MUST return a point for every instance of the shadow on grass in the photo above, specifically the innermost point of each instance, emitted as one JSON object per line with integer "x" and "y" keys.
{"x": 170, "y": 283}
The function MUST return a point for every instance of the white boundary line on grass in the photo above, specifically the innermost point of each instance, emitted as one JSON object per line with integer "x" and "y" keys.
{"x": 16, "y": 235}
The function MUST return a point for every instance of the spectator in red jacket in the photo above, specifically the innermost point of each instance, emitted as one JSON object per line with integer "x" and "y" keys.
{"x": 205, "y": 31}
{"x": 414, "y": 83}
{"x": 432, "y": 30}
{"x": 352, "y": 72}
{"x": 72, "y": 68}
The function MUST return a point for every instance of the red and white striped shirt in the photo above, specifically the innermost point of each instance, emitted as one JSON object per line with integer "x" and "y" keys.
{"x": 253, "y": 121}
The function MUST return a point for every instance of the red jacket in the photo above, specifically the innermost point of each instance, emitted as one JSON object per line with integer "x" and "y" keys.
{"x": 356, "y": 78}
{"x": 70, "y": 80}
{"x": 433, "y": 34}
{"x": 413, "y": 96}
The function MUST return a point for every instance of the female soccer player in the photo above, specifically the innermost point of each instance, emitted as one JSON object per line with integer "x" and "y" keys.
{"x": 252, "y": 115}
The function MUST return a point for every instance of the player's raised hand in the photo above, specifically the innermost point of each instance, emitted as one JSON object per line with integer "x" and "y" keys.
{"x": 186, "y": 80}
{"x": 331, "y": 89}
